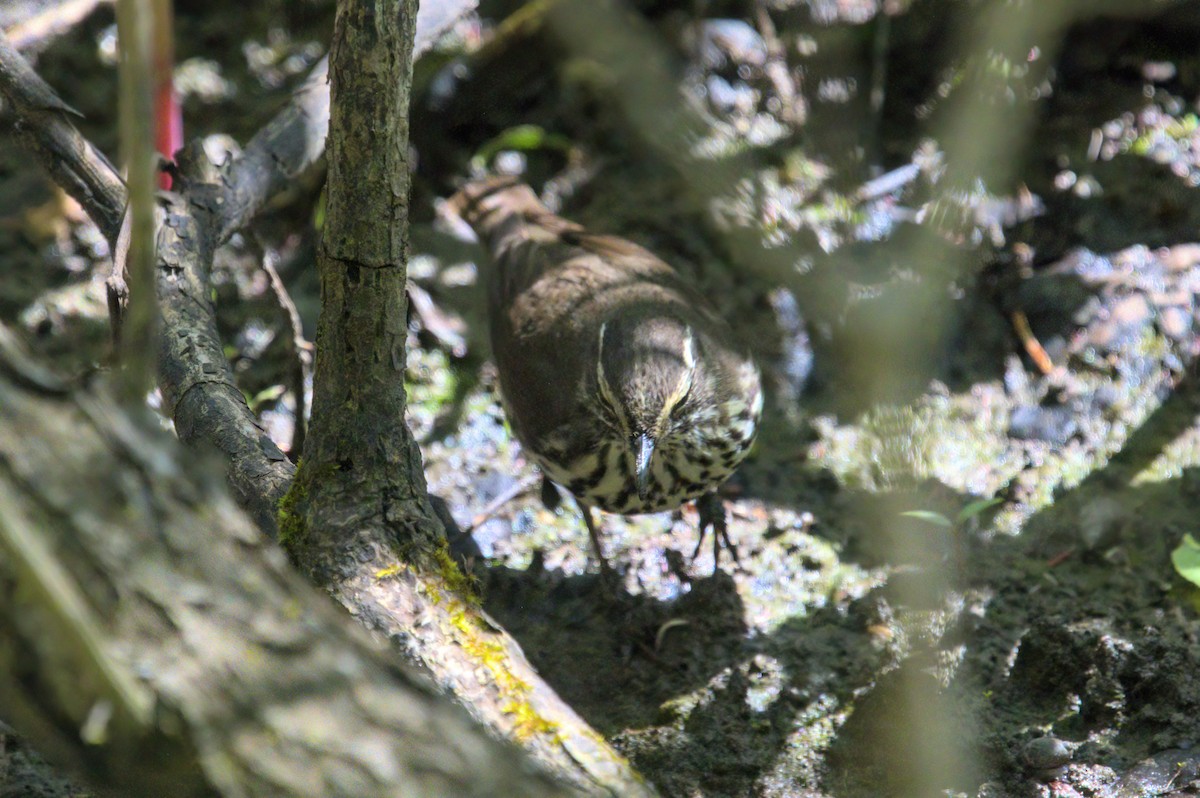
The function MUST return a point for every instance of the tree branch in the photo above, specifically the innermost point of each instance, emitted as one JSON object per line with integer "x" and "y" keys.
{"x": 157, "y": 641}
{"x": 140, "y": 25}
{"x": 202, "y": 396}
{"x": 194, "y": 374}
{"x": 422, "y": 612}
{"x": 43, "y": 127}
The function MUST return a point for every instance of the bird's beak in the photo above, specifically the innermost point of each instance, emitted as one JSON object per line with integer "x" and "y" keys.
{"x": 643, "y": 450}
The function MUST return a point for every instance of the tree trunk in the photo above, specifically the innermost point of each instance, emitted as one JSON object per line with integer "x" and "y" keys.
{"x": 358, "y": 516}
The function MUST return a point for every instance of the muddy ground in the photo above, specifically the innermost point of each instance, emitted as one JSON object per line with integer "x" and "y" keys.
{"x": 968, "y": 557}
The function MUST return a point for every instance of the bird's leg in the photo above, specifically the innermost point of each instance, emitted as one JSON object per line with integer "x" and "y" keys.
{"x": 551, "y": 498}
{"x": 712, "y": 514}
{"x": 594, "y": 534}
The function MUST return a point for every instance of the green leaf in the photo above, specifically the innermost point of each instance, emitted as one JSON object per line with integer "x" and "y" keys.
{"x": 936, "y": 519}
{"x": 320, "y": 209}
{"x": 264, "y": 396}
{"x": 523, "y": 138}
{"x": 975, "y": 508}
{"x": 1186, "y": 559}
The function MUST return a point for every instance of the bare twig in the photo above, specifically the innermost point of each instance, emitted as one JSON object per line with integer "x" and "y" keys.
{"x": 43, "y": 127}
{"x": 791, "y": 104}
{"x": 137, "y": 23}
{"x": 887, "y": 183}
{"x": 448, "y": 328}
{"x": 518, "y": 488}
{"x": 1033, "y": 347}
{"x": 300, "y": 350}
{"x": 117, "y": 283}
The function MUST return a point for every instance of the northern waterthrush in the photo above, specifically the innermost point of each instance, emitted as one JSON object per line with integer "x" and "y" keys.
{"x": 619, "y": 379}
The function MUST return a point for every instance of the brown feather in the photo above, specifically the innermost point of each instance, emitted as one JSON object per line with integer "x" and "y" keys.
{"x": 552, "y": 288}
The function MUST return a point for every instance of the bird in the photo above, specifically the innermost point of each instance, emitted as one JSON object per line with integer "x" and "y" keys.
{"x": 617, "y": 376}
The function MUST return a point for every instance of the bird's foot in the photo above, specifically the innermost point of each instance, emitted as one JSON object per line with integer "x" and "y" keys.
{"x": 712, "y": 514}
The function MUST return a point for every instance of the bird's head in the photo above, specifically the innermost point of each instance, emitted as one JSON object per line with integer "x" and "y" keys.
{"x": 650, "y": 379}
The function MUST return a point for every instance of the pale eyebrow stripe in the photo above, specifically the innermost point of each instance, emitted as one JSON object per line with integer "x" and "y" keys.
{"x": 682, "y": 387}
{"x": 600, "y": 360}
{"x": 602, "y": 382}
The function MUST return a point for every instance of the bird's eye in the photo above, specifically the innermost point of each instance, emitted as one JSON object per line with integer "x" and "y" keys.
{"x": 679, "y": 406}
{"x": 610, "y": 405}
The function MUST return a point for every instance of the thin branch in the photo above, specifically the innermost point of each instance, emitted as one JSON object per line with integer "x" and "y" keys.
{"x": 116, "y": 285}
{"x": 133, "y": 263}
{"x": 43, "y": 126}
{"x": 792, "y": 107}
{"x": 300, "y": 351}
{"x": 294, "y": 141}
{"x": 289, "y": 145}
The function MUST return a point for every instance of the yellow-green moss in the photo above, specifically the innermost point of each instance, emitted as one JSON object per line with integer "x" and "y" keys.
{"x": 463, "y": 584}
{"x": 293, "y": 529}
{"x": 529, "y": 723}
{"x": 391, "y": 570}
{"x": 293, "y": 525}
{"x": 492, "y": 655}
